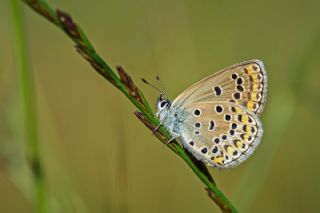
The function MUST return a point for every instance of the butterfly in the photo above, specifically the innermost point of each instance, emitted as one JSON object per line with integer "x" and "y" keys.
{"x": 217, "y": 118}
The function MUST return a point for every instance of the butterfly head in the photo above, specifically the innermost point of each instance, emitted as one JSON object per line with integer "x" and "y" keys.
{"x": 163, "y": 103}
{"x": 163, "y": 107}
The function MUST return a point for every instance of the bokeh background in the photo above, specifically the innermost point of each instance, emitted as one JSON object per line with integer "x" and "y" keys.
{"x": 99, "y": 158}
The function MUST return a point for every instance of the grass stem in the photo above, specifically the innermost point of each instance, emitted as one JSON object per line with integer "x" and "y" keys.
{"x": 27, "y": 95}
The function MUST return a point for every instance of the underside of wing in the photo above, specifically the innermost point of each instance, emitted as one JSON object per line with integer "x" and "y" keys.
{"x": 244, "y": 84}
{"x": 220, "y": 134}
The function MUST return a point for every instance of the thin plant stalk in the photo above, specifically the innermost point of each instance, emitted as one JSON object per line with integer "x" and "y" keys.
{"x": 26, "y": 89}
{"x": 122, "y": 169}
{"x": 125, "y": 84}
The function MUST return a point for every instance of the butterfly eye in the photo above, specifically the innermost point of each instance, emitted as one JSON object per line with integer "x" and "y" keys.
{"x": 163, "y": 104}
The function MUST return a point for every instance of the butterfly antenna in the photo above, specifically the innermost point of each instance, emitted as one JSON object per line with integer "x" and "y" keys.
{"x": 153, "y": 86}
{"x": 162, "y": 86}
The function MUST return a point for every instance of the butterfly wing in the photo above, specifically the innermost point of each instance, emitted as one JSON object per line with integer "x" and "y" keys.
{"x": 244, "y": 84}
{"x": 221, "y": 134}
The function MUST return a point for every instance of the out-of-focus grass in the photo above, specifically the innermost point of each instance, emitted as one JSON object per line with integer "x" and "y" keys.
{"x": 29, "y": 115}
{"x": 121, "y": 165}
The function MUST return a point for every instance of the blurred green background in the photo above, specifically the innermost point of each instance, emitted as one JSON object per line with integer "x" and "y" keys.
{"x": 99, "y": 158}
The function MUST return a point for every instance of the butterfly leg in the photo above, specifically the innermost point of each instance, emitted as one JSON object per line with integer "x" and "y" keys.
{"x": 161, "y": 123}
{"x": 156, "y": 129}
{"x": 174, "y": 136}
